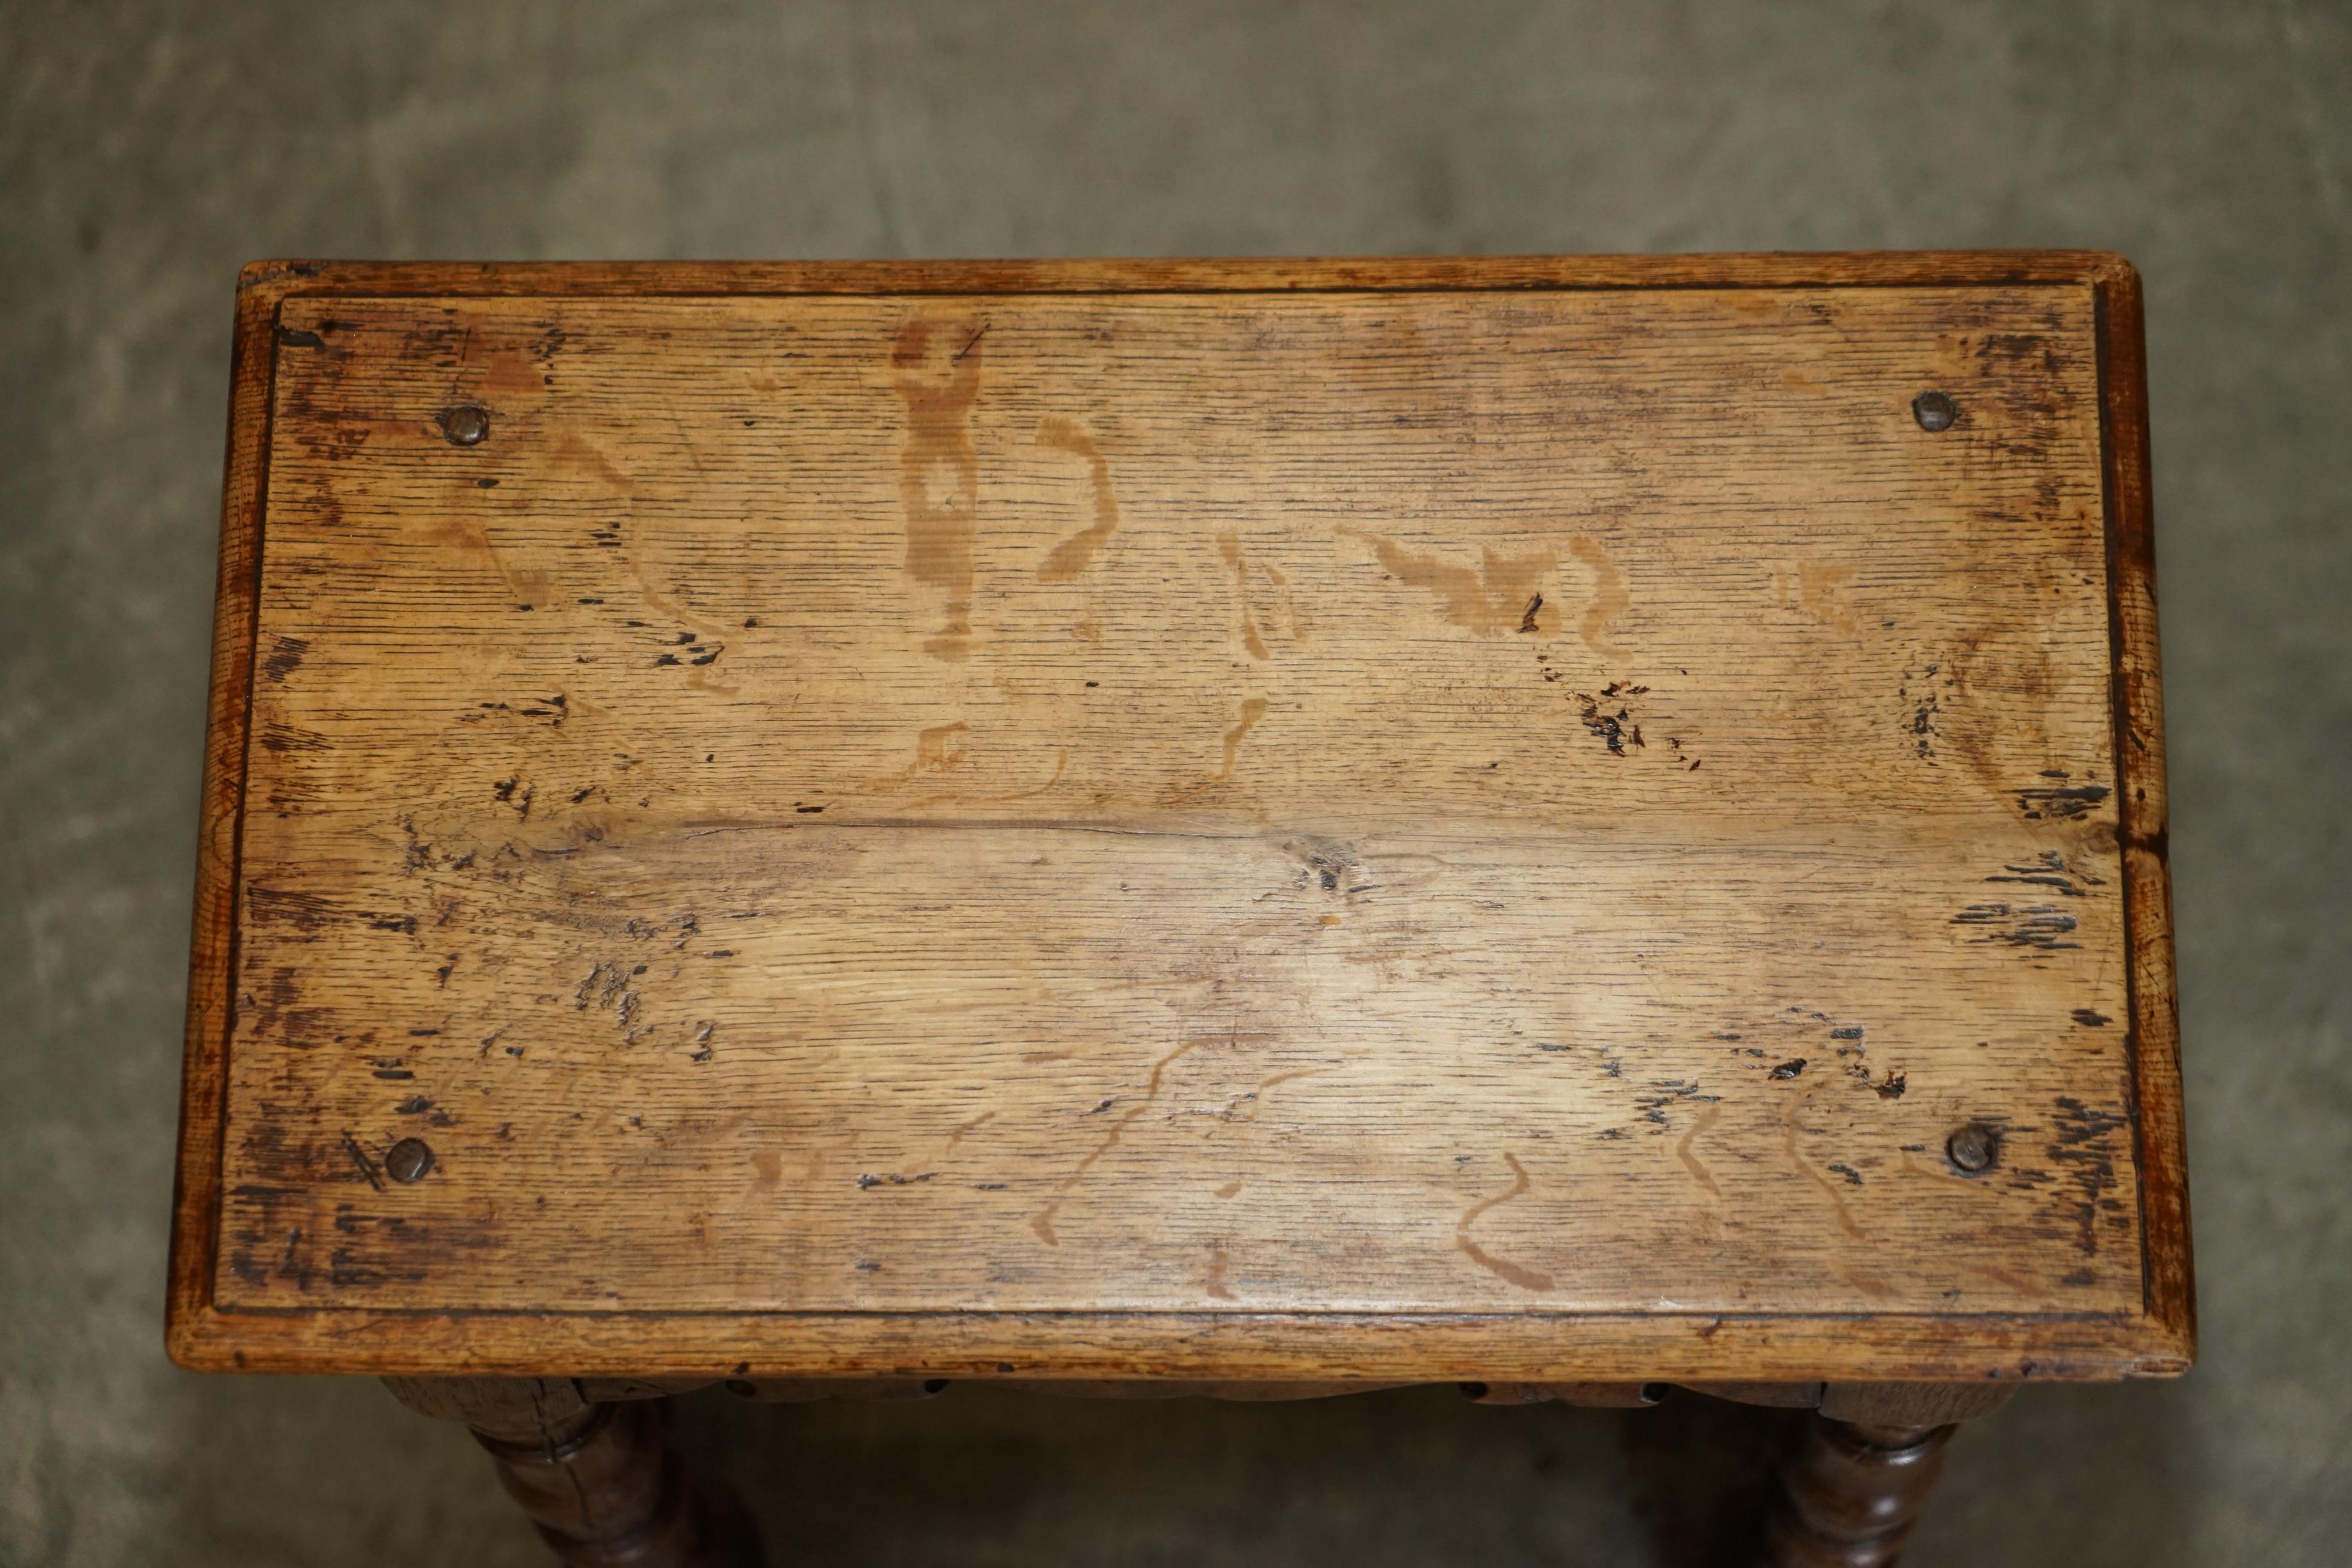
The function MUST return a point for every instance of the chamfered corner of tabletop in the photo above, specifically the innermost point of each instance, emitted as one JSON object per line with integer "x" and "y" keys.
{"x": 195, "y": 1334}
{"x": 2164, "y": 1344}
{"x": 2112, "y": 269}
{"x": 261, "y": 285}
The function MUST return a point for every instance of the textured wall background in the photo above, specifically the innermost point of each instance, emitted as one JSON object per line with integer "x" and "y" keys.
{"x": 146, "y": 149}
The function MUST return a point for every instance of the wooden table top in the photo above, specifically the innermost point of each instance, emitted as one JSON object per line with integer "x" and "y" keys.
{"x": 1379, "y": 820}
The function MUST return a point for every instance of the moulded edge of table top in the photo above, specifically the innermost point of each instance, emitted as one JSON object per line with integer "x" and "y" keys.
{"x": 2160, "y": 1341}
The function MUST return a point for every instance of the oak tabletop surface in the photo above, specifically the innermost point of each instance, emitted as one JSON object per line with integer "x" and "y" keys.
{"x": 1383, "y": 820}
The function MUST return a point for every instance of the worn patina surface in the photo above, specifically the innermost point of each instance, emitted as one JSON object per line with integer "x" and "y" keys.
{"x": 1348, "y": 821}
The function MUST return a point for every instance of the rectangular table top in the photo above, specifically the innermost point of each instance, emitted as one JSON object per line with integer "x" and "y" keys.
{"x": 1506, "y": 818}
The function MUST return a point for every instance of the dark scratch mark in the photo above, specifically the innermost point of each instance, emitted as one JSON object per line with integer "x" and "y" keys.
{"x": 1665, "y": 1093}
{"x": 2047, "y": 869}
{"x": 360, "y": 1158}
{"x": 286, "y": 658}
{"x": 2037, "y": 925}
{"x": 1611, "y": 728}
{"x": 2083, "y": 1139}
{"x": 2060, "y": 803}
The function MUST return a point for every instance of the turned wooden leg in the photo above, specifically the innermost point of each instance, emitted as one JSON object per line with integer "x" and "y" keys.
{"x": 1848, "y": 1495}
{"x": 601, "y": 1480}
{"x": 1851, "y": 1492}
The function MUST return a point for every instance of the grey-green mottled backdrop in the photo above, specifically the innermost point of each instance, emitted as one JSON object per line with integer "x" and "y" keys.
{"x": 146, "y": 149}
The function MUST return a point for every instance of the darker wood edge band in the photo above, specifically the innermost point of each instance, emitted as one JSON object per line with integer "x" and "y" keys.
{"x": 1305, "y": 1315}
{"x": 1896, "y": 268}
{"x": 1227, "y": 1347}
{"x": 2153, "y": 1087}
{"x": 197, "y": 1177}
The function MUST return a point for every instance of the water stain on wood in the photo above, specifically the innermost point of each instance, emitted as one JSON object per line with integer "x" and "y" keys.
{"x": 1609, "y": 599}
{"x": 938, "y": 379}
{"x": 1524, "y": 1279}
{"x": 1252, "y": 710}
{"x": 1070, "y": 557}
{"x": 956, "y": 1134}
{"x": 1118, "y": 1129}
{"x": 1229, "y": 545}
{"x": 575, "y": 452}
{"x": 509, "y": 373}
{"x": 1790, "y": 1132}
{"x": 1494, "y": 597}
{"x": 1682, "y": 1151}
{"x": 1822, "y": 593}
{"x": 938, "y": 748}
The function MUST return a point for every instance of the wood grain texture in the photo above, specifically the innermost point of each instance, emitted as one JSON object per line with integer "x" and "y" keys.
{"x": 1337, "y": 819}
